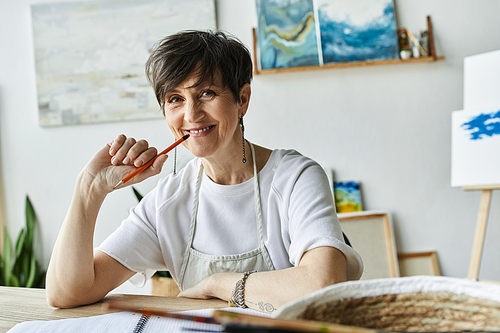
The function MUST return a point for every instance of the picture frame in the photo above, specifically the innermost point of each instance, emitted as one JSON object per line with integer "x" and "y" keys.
{"x": 371, "y": 235}
{"x": 418, "y": 263}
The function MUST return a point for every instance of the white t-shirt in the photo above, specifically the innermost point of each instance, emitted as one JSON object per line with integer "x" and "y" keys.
{"x": 297, "y": 207}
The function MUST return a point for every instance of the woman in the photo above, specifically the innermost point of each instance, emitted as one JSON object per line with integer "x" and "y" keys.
{"x": 240, "y": 222}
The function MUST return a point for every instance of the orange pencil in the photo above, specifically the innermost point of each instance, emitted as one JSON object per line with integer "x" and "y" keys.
{"x": 147, "y": 165}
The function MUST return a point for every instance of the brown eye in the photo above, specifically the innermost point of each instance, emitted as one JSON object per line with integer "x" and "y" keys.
{"x": 173, "y": 100}
{"x": 208, "y": 93}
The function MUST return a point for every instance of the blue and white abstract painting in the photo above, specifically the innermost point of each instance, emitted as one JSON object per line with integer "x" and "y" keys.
{"x": 287, "y": 33}
{"x": 475, "y": 147}
{"x": 357, "y": 30}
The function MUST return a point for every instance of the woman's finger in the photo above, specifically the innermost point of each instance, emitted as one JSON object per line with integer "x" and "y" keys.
{"x": 116, "y": 144}
{"x": 122, "y": 152}
{"x": 154, "y": 169}
{"x": 140, "y": 153}
{"x": 145, "y": 157}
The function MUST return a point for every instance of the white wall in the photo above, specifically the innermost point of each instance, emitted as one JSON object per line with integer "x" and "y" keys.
{"x": 386, "y": 126}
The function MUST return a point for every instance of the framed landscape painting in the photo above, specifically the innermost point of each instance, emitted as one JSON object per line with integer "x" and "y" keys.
{"x": 90, "y": 55}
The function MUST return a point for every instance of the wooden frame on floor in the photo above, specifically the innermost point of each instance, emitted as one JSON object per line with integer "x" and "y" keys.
{"x": 371, "y": 235}
{"x": 418, "y": 263}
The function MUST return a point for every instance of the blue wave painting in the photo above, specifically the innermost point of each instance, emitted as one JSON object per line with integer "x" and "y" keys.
{"x": 357, "y": 30}
{"x": 287, "y": 33}
{"x": 483, "y": 125}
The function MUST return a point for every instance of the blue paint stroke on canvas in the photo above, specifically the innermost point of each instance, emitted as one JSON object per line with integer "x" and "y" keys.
{"x": 286, "y": 33}
{"x": 359, "y": 31}
{"x": 483, "y": 125}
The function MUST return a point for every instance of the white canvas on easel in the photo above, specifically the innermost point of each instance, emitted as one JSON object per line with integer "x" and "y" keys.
{"x": 482, "y": 81}
{"x": 476, "y": 141}
{"x": 475, "y": 158}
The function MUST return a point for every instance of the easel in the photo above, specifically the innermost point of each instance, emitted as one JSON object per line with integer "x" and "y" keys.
{"x": 482, "y": 222}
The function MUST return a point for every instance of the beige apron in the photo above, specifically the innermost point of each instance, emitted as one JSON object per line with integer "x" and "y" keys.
{"x": 196, "y": 265}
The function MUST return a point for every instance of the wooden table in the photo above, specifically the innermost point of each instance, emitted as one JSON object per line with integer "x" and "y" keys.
{"x": 23, "y": 304}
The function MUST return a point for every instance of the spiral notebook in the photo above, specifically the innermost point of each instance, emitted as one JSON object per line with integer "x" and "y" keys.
{"x": 125, "y": 322}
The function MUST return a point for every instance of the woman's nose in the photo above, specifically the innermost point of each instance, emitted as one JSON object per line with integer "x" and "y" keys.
{"x": 193, "y": 112}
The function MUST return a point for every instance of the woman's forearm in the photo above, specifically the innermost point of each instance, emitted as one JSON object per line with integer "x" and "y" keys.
{"x": 70, "y": 275}
{"x": 267, "y": 291}
{"x": 76, "y": 275}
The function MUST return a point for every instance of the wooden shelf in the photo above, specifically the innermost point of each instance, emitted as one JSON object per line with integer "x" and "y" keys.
{"x": 431, "y": 58}
{"x": 349, "y": 64}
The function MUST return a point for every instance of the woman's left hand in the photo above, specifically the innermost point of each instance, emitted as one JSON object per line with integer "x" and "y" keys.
{"x": 200, "y": 291}
{"x": 211, "y": 286}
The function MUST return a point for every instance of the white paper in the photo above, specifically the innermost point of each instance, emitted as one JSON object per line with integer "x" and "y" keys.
{"x": 125, "y": 322}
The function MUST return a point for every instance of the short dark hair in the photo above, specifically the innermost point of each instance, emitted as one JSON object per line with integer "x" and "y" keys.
{"x": 205, "y": 53}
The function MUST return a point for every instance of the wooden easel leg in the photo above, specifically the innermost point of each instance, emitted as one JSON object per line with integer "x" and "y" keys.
{"x": 482, "y": 222}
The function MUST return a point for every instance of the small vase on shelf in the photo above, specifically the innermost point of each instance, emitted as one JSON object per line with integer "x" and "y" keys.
{"x": 405, "y": 54}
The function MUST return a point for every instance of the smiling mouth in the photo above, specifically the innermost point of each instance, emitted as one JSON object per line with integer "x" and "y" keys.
{"x": 201, "y": 130}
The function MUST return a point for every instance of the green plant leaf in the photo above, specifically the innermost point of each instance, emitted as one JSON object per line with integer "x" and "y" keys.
{"x": 7, "y": 257}
{"x": 25, "y": 262}
{"x": 165, "y": 274}
{"x": 14, "y": 281}
{"x": 30, "y": 221}
{"x": 137, "y": 194}
{"x": 18, "y": 266}
{"x": 20, "y": 243}
{"x": 40, "y": 280}
{"x": 2, "y": 282}
{"x": 32, "y": 273}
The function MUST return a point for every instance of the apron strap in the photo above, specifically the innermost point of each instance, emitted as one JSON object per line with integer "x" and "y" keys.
{"x": 258, "y": 212}
{"x": 192, "y": 225}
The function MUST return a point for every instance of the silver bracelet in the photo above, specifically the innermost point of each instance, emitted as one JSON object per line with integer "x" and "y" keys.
{"x": 237, "y": 298}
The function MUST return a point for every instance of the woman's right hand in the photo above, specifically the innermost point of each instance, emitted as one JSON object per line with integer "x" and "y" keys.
{"x": 75, "y": 275}
{"x": 117, "y": 160}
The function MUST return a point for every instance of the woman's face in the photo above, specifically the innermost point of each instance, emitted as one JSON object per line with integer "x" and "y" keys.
{"x": 209, "y": 114}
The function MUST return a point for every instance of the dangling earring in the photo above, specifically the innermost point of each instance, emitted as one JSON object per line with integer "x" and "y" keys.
{"x": 244, "y": 160}
{"x": 175, "y": 160}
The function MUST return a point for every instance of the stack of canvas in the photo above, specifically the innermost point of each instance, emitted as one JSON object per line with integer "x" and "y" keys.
{"x": 476, "y": 129}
